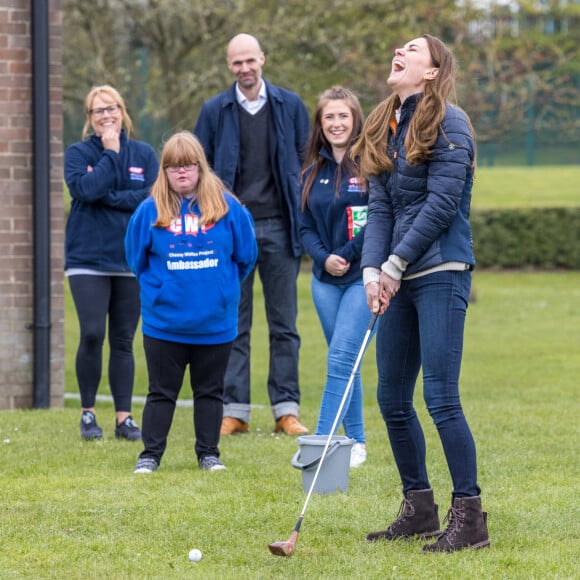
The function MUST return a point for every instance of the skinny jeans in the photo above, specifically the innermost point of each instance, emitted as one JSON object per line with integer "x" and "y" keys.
{"x": 100, "y": 300}
{"x": 278, "y": 269}
{"x": 344, "y": 317}
{"x": 166, "y": 365}
{"x": 423, "y": 328}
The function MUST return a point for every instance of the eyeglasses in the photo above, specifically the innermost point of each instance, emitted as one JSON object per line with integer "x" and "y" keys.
{"x": 176, "y": 168}
{"x": 110, "y": 110}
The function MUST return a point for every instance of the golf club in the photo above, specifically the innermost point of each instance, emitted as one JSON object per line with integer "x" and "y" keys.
{"x": 287, "y": 548}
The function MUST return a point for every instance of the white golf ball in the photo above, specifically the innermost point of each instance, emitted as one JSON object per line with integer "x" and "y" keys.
{"x": 195, "y": 555}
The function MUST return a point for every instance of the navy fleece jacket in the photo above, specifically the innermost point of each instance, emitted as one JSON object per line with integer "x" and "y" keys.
{"x": 334, "y": 224}
{"x": 106, "y": 187}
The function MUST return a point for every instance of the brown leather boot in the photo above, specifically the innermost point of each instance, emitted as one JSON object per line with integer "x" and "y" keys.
{"x": 466, "y": 527}
{"x": 290, "y": 424}
{"x": 418, "y": 516}
{"x": 231, "y": 426}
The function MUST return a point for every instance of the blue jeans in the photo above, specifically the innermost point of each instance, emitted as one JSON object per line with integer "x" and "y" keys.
{"x": 345, "y": 318}
{"x": 423, "y": 327}
{"x": 278, "y": 269}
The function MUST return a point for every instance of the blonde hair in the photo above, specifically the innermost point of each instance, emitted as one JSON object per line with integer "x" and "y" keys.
{"x": 183, "y": 148}
{"x": 425, "y": 123}
{"x": 109, "y": 95}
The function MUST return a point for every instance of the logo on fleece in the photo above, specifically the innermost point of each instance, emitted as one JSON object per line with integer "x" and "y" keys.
{"x": 356, "y": 185}
{"x": 356, "y": 216}
{"x": 191, "y": 226}
{"x": 190, "y": 259}
{"x": 136, "y": 174}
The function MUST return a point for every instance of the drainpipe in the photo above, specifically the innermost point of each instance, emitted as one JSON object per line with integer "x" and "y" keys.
{"x": 41, "y": 205}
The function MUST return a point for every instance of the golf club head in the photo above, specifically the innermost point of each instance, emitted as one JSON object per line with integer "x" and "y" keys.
{"x": 285, "y": 549}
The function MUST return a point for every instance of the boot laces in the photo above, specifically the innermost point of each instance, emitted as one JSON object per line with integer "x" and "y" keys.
{"x": 453, "y": 519}
{"x": 406, "y": 509}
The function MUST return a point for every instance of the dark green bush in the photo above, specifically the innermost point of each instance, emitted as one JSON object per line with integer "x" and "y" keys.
{"x": 547, "y": 238}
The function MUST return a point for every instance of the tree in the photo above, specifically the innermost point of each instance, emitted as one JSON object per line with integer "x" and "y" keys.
{"x": 523, "y": 76}
{"x": 89, "y": 55}
{"x": 519, "y": 64}
{"x": 184, "y": 41}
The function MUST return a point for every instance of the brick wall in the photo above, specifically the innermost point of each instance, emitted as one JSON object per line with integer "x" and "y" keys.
{"x": 16, "y": 216}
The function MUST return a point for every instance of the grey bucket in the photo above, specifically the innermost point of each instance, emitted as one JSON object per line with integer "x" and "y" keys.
{"x": 335, "y": 468}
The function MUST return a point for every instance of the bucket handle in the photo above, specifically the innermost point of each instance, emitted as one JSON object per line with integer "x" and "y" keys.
{"x": 306, "y": 466}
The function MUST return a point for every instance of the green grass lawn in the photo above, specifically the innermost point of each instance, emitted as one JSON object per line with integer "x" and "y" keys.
{"x": 74, "y": 509}
{"x": 522, "y": 187}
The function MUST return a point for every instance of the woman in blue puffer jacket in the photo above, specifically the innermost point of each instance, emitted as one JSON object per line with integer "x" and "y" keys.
{"x": 419, "y": 153}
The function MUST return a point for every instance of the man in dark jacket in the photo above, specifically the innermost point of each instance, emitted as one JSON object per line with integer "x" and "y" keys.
{"x": 254, "y": 135}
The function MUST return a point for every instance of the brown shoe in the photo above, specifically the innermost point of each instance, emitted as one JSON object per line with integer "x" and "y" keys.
{"x": 418, "y": 516}
{"x": 466, "y": 527}
{"x": 231, "y": 425}
{"x": 290, "y": 425}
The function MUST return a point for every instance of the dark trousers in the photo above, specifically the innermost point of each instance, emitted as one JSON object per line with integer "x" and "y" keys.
{"x": 99, "y": 299}
{"x": 423, "y": 329}
{"x": 166, "y": 364}
{"x": 278, "y": 270}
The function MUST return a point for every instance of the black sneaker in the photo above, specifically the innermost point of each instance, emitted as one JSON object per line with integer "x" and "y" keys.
{"x": 128, "y": 429}
{"x": 89, "y": 427}
{"x": 211, "y": 463}
{"x": 146, "y": 465}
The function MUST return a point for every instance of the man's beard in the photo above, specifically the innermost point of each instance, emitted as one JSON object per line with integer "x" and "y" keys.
{"x": 249, "y": 82}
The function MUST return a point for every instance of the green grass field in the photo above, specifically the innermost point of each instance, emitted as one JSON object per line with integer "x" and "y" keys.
{"x": 522, "y": 187}
{"x": 74, "y": 509}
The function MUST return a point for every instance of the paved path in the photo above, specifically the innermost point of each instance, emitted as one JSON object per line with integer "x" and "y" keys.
{"x": 141, "y": 400}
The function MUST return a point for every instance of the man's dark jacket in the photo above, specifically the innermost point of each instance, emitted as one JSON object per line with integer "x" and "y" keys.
{"x": 218, "y": 129}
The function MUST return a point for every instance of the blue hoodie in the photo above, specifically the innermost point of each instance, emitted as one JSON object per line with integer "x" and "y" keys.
{"x": 190, "y": 276}
{"x": 103, "y": 199}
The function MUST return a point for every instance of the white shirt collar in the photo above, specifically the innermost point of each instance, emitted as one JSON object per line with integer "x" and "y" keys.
{"x": 252, "y": 106}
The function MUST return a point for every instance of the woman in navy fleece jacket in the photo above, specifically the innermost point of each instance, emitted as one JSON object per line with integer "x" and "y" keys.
{"x": 107, "y": 175}
{"x": 190, "y": 245}
{"x": 334, "y": 213}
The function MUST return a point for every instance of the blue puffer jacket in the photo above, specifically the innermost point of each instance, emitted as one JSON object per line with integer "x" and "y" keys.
{"x": 103, "y": 199}
{"x": 421, "y": 212}
{"x": 218, "y": 129}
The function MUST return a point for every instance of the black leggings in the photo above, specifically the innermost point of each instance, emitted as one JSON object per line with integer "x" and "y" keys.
{"x": 95, "y": 298}
{"x": 166, "y": 364}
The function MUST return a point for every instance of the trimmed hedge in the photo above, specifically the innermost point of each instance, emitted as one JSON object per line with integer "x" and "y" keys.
{"x": 547, "y": 238}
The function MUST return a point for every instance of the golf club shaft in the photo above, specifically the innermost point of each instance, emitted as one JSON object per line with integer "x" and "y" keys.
{"x": 338, "y": 413}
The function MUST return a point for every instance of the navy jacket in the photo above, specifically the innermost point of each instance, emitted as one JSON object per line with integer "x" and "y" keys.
{"x": 334, "y": 224}
{"x": 218, "y": 129}
{"x": 103, "y": 199}
{"x": 421, "y": 212}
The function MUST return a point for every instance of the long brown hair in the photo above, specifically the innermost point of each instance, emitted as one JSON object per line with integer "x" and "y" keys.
{"x": 425, "y": 123}
{"x": 183, "y": 148}
{"x": 318, "y": 141}
{"x": 109, "y": 94}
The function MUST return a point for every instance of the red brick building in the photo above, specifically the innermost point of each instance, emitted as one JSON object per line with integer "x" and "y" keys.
{"x": 32, "y": 217}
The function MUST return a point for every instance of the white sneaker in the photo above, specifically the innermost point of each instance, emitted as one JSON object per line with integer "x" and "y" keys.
{"x": 358, "y": 454}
